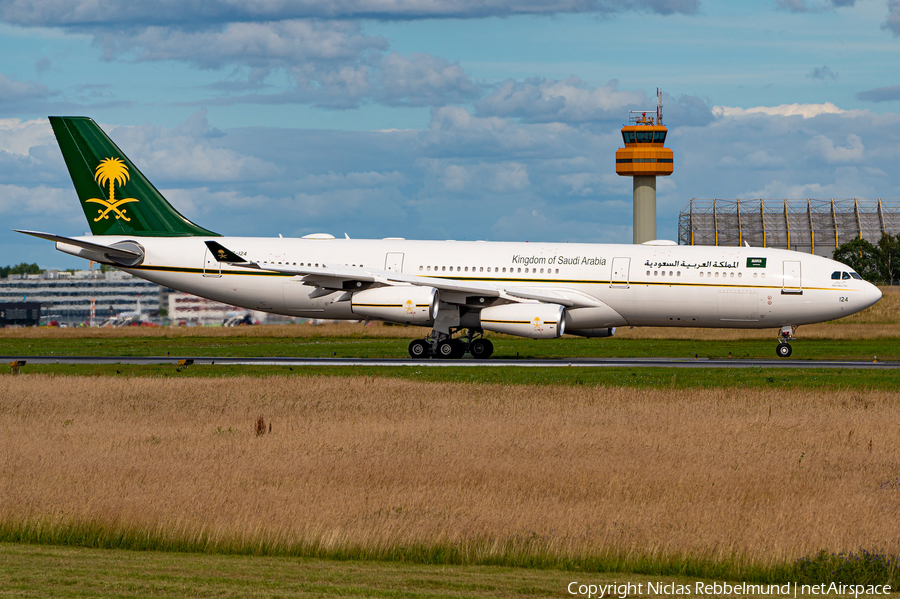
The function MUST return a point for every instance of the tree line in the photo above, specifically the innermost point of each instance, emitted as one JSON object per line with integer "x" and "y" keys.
{"x": 874, "y": 262}
{"x": 20, "y": 269}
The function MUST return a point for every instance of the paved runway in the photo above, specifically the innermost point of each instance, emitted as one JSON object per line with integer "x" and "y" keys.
{"x": 532, "y": 363}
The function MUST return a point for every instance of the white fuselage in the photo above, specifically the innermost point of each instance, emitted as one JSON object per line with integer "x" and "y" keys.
{"x": 642, "y": 285}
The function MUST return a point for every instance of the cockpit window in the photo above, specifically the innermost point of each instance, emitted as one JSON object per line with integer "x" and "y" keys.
{"x": 855, "y": 276}
{"x": 836, "y": 275}
{"x": 846, "y": 275}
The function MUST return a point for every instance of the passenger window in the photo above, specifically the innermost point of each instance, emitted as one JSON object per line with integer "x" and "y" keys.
{"x": 846, "y": 275}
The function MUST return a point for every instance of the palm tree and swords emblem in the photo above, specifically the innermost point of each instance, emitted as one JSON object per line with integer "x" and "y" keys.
{"x": 112, "y": 171}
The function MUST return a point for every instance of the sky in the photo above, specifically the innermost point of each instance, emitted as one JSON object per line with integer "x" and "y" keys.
{"x": 444, "y": 119}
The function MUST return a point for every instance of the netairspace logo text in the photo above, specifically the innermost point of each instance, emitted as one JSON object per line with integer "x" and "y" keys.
{"x": 631, "y": 589}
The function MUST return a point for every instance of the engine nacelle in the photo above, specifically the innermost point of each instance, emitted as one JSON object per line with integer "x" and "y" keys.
{"x": 607, "y": 332}
{"x": 404, "y": 304}
{"x": 536, "y": 321}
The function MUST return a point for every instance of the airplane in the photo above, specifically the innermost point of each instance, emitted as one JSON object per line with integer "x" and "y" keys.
{"x": 460, "y": 289}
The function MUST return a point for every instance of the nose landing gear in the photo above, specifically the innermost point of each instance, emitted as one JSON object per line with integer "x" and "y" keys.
{"x": 784, "y": 349}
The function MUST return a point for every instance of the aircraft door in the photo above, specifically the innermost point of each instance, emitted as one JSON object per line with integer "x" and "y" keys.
{"x": 211, "y": 266}
{"x": 619, "y": 273}
{"x": 792, "y": 279}
{"x": 393, "y": 261}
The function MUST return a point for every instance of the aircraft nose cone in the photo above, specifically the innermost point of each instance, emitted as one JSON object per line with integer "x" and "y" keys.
{"x": 873, "y": 294}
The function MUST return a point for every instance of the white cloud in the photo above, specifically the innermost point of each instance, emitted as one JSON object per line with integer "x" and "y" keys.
{"x": 18, "y": 199}
{"x": 824, "y": 147}
{"x": 334, "y": 180}
{"x": 569, "y": 100}
{"x": 574, "y": 102}
{"x": 18, "y": 136}
{"x": 848, "y": 182}
{"x": 474, "y": 177}
{"x": 456, "y": 130}
{"x": 807, "y": 111}
{"x": 187, "y": 153}
{"x": 201, "y": 201}
{"x": 269, "y": 44}
{"x": 423, "y": 80}
{"x": 13, "y": 92}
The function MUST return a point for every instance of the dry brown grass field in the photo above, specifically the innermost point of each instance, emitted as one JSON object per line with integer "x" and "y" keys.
{"x": 881, "y": 321}
{"x": 753, "y": 476}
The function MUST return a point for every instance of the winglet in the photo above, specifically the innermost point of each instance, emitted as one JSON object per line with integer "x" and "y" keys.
{"x": 223, "y": 254}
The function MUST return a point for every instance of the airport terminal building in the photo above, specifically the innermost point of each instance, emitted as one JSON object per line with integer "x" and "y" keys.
{"x": 88, "y": 297}
{"x": 77, "y": 298}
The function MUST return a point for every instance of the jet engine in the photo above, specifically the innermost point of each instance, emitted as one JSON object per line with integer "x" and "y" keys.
{"x": 536, "y": 321}
{"x": 403, "y": 304}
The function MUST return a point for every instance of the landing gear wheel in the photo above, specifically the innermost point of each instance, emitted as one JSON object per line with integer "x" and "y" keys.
{"x": 481, "y": 349}
{"x": 418, "y": 349}
{"x": 445, "y": 350}
{"x": 459, "y": 349}
{"x": 784, "y": 350}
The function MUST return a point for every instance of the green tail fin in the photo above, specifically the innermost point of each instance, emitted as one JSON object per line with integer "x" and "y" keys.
{"x": 116, "y": 198}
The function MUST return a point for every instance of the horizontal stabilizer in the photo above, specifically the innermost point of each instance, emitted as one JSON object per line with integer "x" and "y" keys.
{"x": 115, "y": 254}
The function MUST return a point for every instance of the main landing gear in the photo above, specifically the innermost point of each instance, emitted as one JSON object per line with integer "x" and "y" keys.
{"x": 784, "y": 348}
{"x": 442, "y": 346}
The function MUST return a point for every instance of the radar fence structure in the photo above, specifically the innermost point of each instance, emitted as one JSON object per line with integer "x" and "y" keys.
{"x": 813, "y": 226}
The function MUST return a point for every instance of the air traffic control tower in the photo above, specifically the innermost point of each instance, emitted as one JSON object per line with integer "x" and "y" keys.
{"x": 644, "y": 157}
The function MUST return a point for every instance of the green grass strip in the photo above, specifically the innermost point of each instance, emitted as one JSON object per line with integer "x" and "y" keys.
{"x": 671, "y": 378}
{"x": 518, "y": 551}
